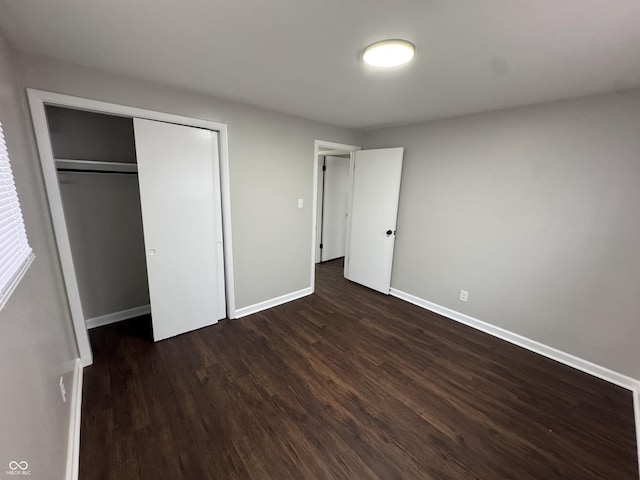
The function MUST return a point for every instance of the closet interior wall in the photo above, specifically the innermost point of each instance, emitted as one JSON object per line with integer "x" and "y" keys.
{"x": 102, "y": 209}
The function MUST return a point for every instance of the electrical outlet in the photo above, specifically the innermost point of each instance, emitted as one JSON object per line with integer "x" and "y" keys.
{"x": 63, "y": 391}
{"x": 300, "y": 203}
{"x": 464, "y": 295}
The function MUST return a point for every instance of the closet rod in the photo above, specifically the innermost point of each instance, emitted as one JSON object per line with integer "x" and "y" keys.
{"x": 95, "y": 166}
{"x": 100, "y": 172}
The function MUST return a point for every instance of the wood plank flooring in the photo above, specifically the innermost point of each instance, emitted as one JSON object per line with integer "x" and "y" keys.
{"x": 344, "y": 384}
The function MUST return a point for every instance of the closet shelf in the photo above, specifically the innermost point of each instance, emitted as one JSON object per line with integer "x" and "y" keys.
{"x": 95, "y": 166}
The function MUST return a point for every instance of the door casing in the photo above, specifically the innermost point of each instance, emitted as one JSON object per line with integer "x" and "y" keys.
{"x": 317, "y": 147}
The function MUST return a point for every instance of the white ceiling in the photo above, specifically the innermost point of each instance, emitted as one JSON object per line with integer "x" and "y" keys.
{"x": 303, "y": 56}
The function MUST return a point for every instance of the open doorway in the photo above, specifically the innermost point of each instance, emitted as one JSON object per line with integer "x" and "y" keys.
{"x": 333, "y": 206}
{"x": 333, "y": 179}
{"x": 373, "y": 192}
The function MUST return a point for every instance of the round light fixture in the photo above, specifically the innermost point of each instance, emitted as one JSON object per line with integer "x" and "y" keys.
{"x": 389, "y": 53}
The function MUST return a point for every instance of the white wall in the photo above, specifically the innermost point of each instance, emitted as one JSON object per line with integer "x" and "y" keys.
{"x": 536, "y": 212}
{"x": 36, "y": 340}
{"x": 271, "y": 166}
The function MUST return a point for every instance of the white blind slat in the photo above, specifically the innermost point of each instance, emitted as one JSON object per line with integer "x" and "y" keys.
{"x": 8, "y": 258}
{"x": 15, "y": 251}
{"x": 10, "y": 249}
{"x": 6, "y": 228}
{"x": 10, "y": 233}
{"x": 7, "y": 220}
{"x": 5, "y": 278}
{"x": 11, "y": 230}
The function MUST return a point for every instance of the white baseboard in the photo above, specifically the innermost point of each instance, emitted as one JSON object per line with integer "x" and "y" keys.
{"x": 117, "y": 316}
{"x": 524, "y": 342}
{"x": 73, "y": 448}
{"x": 274, "y": 302}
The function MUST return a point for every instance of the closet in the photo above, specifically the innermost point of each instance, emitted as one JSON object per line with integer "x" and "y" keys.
{"x": 142, "y": 210}
{"x": 95, "y": 159}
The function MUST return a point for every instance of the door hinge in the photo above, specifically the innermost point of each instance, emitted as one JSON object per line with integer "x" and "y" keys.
{"x": 321, "y": 245}
{"x": 324, "y": 168}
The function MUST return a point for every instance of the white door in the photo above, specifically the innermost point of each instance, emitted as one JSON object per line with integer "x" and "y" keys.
{"x": 178, "y": 171}
{"x": 335, "y": 206}
{"x": 374, "y": 210}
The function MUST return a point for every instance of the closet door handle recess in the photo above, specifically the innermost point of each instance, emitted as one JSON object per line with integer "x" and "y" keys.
{"x": 152, "y": 251}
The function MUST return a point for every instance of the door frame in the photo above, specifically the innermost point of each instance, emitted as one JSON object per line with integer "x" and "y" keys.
{"x": 317, "y": 146}
{"x": 38, "y": 99}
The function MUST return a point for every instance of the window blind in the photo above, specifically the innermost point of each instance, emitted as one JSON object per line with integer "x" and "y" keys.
{"x": 15, "y": 252}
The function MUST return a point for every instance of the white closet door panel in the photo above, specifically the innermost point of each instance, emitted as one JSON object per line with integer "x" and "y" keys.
{"x": 178, "y": 172}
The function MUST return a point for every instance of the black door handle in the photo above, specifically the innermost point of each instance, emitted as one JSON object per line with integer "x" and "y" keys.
{"x": 389, "y": 232}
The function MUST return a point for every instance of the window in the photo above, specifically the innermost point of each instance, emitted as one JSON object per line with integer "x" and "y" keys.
{"x": 15, "y": 253}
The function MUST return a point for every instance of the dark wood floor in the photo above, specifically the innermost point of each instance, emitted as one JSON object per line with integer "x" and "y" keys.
{"x": 345, "y": 384}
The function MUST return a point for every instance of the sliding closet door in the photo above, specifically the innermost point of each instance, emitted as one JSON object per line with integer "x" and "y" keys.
{"x": 178, "y": 171}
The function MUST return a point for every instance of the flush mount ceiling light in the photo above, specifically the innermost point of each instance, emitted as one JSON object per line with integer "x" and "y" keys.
{"x": 389, "y": 53}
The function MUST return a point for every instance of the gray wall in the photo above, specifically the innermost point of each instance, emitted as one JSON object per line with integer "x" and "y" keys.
{"x": 271, "y": 158}
{"x": 79, "y": 135}
{"x": 536, "y": 212}
{"x": 36, "y": 340}
{"x": 104, "y": 221}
